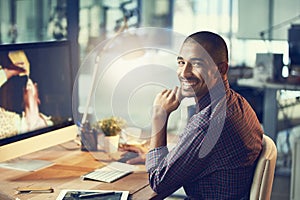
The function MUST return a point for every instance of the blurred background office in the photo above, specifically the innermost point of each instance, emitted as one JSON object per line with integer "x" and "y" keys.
{"x": 252, "y": 29}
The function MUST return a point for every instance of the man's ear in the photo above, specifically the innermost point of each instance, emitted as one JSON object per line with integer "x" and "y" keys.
{"x": 223, "y": 68}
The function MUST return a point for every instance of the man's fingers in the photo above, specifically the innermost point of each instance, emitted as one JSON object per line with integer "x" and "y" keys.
{"x": 174, "y": 91}
{"x": 136, "y": 160}
{"x": 179, "y": 94}
{"x": 131, "y": 148}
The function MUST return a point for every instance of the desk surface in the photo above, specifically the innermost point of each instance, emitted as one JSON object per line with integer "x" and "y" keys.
{"x": 69, "y": 165}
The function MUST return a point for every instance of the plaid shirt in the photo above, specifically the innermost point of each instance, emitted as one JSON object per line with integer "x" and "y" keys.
{"x": 216, "y": 153}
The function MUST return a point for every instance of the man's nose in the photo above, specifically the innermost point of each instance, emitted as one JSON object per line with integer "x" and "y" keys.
{"x": 186, "y": 69}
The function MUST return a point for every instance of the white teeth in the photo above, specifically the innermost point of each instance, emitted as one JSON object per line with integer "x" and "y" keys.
{"x": 189, "y": 83}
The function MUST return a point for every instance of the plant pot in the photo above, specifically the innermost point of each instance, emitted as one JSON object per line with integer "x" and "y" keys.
{"x": 111, "y": 143}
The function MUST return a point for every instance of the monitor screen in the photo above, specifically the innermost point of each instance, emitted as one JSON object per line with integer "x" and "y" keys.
{"x": 35, "y": 89}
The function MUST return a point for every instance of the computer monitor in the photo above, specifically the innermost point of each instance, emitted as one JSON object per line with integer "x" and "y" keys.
{"x": 49, "y": 66}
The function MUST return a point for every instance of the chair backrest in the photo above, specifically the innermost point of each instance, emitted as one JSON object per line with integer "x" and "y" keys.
{"x": 264, "y": 173}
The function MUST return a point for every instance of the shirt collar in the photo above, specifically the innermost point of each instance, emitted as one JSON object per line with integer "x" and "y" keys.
{"x": 214, "y": 95}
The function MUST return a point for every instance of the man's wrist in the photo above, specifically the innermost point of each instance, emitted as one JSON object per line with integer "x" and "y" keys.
{"x": 159, "y": 113}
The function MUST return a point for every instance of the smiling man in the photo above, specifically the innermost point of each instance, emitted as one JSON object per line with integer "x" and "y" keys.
{"x": 216, "y": 154}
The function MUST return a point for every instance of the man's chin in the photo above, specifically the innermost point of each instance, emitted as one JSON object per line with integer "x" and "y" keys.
{"x": 188, "y": 93}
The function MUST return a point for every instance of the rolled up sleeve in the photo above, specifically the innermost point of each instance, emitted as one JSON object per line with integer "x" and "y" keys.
{"x": 154, "y": 157}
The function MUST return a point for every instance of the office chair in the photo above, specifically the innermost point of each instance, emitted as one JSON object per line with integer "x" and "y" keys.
{"x": 262, "y": 183}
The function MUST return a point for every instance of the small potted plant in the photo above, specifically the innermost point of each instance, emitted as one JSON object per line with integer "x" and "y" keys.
{"x": 111, "y": 128}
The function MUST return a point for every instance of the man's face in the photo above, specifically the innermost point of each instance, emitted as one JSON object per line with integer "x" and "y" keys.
{"x": 196, "y": 70}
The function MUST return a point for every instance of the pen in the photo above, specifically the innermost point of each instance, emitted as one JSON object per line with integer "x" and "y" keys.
{"x": 96, "y": 194}
{"x": 35, "y": 190}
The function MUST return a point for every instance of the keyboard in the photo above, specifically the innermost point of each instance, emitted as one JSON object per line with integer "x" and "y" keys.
{"x": 110, "y": 172}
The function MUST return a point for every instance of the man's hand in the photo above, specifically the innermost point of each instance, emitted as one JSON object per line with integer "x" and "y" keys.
{"x": 167, "y": 101}
{"x": 140, "y": 151}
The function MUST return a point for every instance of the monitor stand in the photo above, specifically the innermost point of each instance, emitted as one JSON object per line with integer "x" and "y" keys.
{"x": 26, "y": 164}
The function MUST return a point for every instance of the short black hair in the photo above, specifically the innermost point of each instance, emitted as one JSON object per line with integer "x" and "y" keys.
{"x": 213, "y": 43}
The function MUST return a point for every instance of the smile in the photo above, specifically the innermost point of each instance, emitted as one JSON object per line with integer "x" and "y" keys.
{"x": 190, "y": 83}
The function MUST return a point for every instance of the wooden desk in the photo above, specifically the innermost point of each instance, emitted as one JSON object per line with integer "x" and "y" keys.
{"x": 69, "y": 165}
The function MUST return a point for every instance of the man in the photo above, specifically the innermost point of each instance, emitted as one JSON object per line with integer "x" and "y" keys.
{"x": 216, "y": 154}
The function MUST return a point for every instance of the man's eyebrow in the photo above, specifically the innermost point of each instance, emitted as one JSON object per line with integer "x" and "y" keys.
{"x": 197, "y": 59}
{"x": 192, "y": 59}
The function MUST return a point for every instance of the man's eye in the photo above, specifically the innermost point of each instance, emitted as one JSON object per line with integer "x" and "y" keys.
{"x": 180, "y": 63}
{"x": 196, "y": 64}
